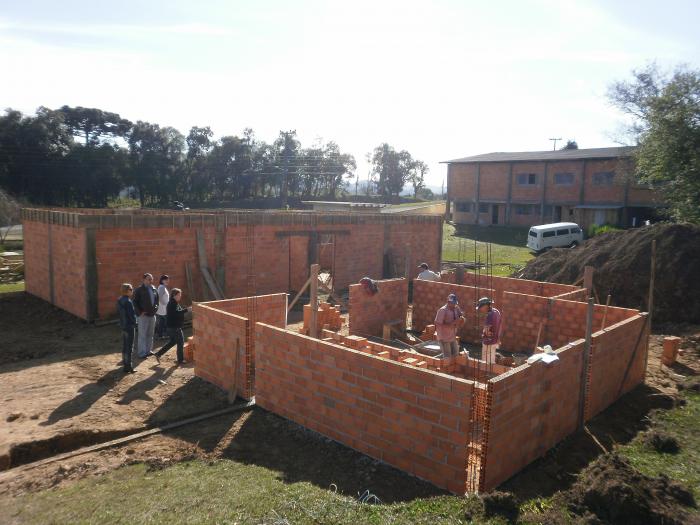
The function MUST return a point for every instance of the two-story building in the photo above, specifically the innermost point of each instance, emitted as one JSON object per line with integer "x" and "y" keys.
{"x": 586, "y": 186}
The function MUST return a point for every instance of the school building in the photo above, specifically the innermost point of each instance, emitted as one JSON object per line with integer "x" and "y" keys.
{"x": 586, "y": 186}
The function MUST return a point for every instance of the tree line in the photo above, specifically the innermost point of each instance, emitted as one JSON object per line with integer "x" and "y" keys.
{"x": 76, "y": 156}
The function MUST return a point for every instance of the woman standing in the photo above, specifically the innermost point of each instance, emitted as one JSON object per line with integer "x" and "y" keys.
{"x": 163, "y": 298}
{"x": 175, "y": 320}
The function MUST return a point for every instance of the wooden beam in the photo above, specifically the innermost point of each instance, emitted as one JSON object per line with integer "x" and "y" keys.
{"x": 588, "y": 279}
{"x": 215, "y": 290}
{"x": 298, "y": 295}
{"x": 190, "y": 284}
{"x": 313, "y": 328}
{"x": 605, "y": 312}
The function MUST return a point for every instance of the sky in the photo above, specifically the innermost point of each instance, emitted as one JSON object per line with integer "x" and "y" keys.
{"x": 442, "y": 79}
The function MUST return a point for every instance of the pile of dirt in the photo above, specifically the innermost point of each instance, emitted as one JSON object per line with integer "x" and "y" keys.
{"x": 612, "y": 491}
{"x": 622, "y": 262}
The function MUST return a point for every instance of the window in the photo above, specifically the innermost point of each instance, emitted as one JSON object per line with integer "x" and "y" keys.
{"x": 525, "y": 209}
{"x": 563, "y": 231}
{"x": 575, "y": 230}
{"x": 563, "y": 179}
{"x": 527, "y": 179}
{"x": 464, "y": 207}
{"x": 604, "y": 178}
{"x": 550, "y": 233}
{"x": 483, "y": 208}
{"x": 533, "y": 233}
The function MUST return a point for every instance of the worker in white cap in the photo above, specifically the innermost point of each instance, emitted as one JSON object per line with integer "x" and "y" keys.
{"x": 491, "y": 333}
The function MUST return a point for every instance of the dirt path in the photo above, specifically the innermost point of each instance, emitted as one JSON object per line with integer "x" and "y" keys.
{"x": 76, "y": 394}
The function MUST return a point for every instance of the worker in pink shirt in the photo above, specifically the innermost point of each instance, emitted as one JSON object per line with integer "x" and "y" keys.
{"x": 491, "y": 333}
{"x": 448, "y": 320}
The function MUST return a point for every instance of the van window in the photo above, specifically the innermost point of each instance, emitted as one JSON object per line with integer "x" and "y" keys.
{"x": 564, "y": 231}
{"x": 575, "y": 230}
{"x": 533, "y": 233}
{"x": 550, "y": 233}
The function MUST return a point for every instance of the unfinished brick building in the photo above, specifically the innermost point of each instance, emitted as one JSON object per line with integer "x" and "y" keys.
{"x": 77, "y": 258}
{"x": 448, "y": 421}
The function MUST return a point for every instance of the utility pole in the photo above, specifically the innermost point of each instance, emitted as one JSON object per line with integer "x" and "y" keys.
{"x": 555, "y": 143}
{"x": 285, "y": 166}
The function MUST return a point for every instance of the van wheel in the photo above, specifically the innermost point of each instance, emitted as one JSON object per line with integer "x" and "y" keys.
{"x": 573, "y": 244}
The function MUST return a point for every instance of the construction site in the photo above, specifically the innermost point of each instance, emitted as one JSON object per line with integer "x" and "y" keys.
{"x": 361, "y": 369}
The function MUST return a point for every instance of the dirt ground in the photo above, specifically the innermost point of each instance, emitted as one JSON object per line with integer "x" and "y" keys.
{"x": 61, "y": 388}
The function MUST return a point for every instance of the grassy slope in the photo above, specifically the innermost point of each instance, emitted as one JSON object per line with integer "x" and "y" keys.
{"x": 12, "y": 287}
{"x": 507, "y": 246}
{"x": 228, "y": 491}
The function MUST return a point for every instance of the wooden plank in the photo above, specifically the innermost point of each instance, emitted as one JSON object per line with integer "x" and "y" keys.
{"x": 190, "y": 284}
{"x": 298, "y": 295}
{"x": 215, "y": 290}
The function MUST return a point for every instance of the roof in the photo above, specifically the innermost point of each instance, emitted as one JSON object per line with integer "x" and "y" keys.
{"x": 598, "y": 207}
{"x": 554, "y": 225}
{"x": 562, "y": 154}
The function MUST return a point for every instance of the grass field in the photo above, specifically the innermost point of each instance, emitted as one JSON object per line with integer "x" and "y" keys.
{"x": 226, "y": 491}
{"x": 507, "y": 246}
{"x": 12, "y": 287}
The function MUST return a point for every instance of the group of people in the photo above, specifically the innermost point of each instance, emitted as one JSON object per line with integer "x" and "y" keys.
{"x": 150, "y": 312}
{"x": 450, "y": 319}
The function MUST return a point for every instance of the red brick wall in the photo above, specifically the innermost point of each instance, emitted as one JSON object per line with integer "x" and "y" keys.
{"x": 508, "y": 284}
{"x": 36, "y": 258}
{"x": 560, "y": 194}
{"x": 68, "y": 260}
{"x": 411, "y": 418}
{"x": 613, "y": 350}
{"x": 611, "y": 194}
{"x": 562, "y": 322}
{"x": 493, "y": 182}
{"x": 68, "y": 254}
{"x": 368, "y": 313}
{"x": 429, "y": 296}
{"x": 280, "y": 260}
{"x": 269, "y": 309}
{"x": 218, "y": 335}
{"x": 125, "y": 254}
{"x": 533, "y": 407}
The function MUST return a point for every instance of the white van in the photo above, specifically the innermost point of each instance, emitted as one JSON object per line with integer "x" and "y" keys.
{"x": 556, "y": 235}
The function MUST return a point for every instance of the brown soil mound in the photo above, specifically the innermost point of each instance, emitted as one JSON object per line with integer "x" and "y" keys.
{"x": 622, "y": 263}
{"x": 614, "y": 492}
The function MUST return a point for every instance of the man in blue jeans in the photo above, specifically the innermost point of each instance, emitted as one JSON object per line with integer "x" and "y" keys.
{"x": 175, "y": 320}
{"x": 146, "y": 306}
{"x": 127, "y": 321}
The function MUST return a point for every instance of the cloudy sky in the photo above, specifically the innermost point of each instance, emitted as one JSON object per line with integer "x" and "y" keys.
{"x": 442, "y": 79}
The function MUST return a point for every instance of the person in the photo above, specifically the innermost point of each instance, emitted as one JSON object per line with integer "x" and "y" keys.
{"x": 146, "y": 306}
{"x": 369, "y": 286}
{"x": 175, "y": 320}
{"x": 127, "y": 321}
{"x": 427, "y": 274}
{"x": 163, "y": 298}
{"x": 491, "y": 333}
{"x": 448, "y": 319}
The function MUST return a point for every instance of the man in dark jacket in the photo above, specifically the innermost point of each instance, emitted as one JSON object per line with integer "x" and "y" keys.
{"x": 175, "y": 320}
{"x": 146, "y": 306}
{"x": 127, "y": 321}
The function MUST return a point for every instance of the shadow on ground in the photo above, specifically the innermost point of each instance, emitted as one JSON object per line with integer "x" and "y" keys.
{"x": 618, "y": 424}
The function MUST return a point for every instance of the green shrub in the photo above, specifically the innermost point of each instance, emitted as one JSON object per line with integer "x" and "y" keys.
{"x": 594, "y": 229}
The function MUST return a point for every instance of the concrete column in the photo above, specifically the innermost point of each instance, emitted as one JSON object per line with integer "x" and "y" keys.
{"x": 582, "y": 187}
{"x": 544, "y": 192}
{"x": 510, "y": 192}
{"x": 448, "y": 198}
{"x": 476, "y": 194}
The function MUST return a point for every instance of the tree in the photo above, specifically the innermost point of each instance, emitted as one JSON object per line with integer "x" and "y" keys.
{"x": 94, "y": 124}
{"x": 155, "y": 158}
{"x": 391, "y": 169}
{"x": 665, "y": 122}
{"x": 9, "y": 214}
{"x": 199, "y": 145}
{"x": 417, "y": 176}
{"x": 570, "y": 144}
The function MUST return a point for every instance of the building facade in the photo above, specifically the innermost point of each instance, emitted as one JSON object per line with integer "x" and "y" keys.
{"x": 586, "y": 186}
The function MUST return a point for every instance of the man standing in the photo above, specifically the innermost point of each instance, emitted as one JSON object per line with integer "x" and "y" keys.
{"x": 448, "y": 319}
{"x": 426, "y": 274}
{"x": 146, "y": 306}
{"x": 127, "y": 321}
{"x": 491, "y": 334}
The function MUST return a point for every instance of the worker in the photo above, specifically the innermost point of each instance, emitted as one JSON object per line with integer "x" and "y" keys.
{"x": 448, "y": 320}
{"x": 491, "y": 333}
{"x": 369, "y": 286}
{"x": 427, "y": 274}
